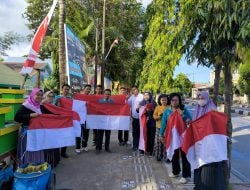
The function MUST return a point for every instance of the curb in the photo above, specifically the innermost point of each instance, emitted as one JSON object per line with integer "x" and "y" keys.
{"x": 241, "y": 112}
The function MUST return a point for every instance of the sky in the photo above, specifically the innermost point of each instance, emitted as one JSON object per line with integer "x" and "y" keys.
{"x": 11, "y": 20}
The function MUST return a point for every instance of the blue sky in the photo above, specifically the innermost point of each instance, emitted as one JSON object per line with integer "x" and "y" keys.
{"x": 195, "y": 74}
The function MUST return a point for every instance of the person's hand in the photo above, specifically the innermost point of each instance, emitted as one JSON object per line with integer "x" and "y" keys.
{"x": 188, "y": 121}
{"x": 33, "y": 115}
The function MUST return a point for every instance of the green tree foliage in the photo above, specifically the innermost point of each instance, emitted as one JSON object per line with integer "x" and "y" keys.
{"x": 123, "y": 20}
{"x": 182, "y": 84}
{"x": 7, "y": 40}
{"x": 213, "y": 30}
{"x": 245, "y": 79}
{"x": 160, "y": 59}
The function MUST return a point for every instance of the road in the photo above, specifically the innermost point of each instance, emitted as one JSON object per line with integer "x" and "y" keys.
{"x": 240, "y": 161}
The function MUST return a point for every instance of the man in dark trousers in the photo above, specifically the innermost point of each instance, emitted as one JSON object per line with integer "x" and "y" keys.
{"x": 100, "y": 133}
{"x": 82, "y": 142}
{"x": 98, "y": 92}
{"x": 123, "y": 139}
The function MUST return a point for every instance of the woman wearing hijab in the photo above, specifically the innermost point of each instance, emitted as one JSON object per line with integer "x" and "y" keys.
{"x": 149, "y": 104}
{"x": 30, "y": 109}
{"x": 209, "y": 176}
{"x": 52, "y": 156}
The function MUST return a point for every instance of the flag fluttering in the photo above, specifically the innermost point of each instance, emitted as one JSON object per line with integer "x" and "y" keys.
{"x": 37, "y": 41}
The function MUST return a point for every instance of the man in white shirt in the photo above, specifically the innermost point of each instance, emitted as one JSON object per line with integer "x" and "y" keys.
{"x": 134, "y": 101}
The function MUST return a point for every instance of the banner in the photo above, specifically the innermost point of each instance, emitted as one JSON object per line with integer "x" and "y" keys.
{"x": 75, "y": 58}
{"x": 37, "y": 41}
{"x": 113, "y": 114}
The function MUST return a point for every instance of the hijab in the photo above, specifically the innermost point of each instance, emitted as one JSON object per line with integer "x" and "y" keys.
{"x": 31, "y": 103}
{"x": 45, "y": 96}
{"x": 149, "y": 101}
{"x": 201, "y": 110}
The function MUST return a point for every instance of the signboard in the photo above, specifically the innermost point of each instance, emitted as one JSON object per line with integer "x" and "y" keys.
{"x": 75, "y": 58}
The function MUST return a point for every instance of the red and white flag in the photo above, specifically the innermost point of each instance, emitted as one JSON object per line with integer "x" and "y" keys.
{"x": 62, "y": 111}
{"x": 143, "y": 128}
{"x": 37, "y": 41}
{"x": 50, "y": 131}
{"x": 174, "y": 133}
{"x": 75, "y": 105}
{"x": 113, "y": 114}
{"x": 205, "y": 141}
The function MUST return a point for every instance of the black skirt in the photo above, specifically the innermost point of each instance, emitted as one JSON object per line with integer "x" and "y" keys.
{"x": 210, "y": 177}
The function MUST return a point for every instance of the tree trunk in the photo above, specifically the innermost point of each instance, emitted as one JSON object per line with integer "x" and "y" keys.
{"x": 62, "y": 54}
{"x": 228, "y": 103}
{"x": 217, "y": 72}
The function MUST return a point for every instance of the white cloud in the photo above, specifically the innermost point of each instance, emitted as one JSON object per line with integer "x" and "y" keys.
{"x": 11, "y": 17}
{"x": 11, "y": 20}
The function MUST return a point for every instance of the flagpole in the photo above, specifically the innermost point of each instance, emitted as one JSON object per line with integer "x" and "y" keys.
{"x": 24, "y": 80}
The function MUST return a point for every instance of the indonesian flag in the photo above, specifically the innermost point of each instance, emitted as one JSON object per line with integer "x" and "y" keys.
{"x": 143, "y": 128}
{"x": 62, "y": 111}
{"x": 113, "y": 114}
{"x": 50, "y": 131}
{"x": 75, "y": 105}
{"x": 174, "y": 133}
{"x": 205, "y": 140}
{"x": 37, "y": 41}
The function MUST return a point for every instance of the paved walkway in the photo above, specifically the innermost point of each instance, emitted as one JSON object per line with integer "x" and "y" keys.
{"x": 120, "y": 170}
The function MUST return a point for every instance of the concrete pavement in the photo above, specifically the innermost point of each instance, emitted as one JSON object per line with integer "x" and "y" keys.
{"x": 122, "y": 169}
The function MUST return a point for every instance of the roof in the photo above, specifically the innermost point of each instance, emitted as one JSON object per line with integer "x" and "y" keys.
{"x": 11, "y": 78}
{"x": 16, "y": 63}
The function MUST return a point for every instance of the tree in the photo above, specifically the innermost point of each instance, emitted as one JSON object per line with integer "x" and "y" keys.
{"x": 7, "y": 40}
{"x": 244, "y": 79}
{"x": 160, "y": 60}
{"x": 62, "y": 49}
{"x": 214, "y": 29}
{"x": 182, "y": 84}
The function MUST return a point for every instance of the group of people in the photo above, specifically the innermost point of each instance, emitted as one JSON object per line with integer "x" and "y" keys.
{"x": 142, "y": 105}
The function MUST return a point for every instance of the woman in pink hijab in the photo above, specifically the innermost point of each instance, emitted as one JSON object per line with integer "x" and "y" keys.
{"x": 209, "y": 176}
{"x": 30, "y": 109}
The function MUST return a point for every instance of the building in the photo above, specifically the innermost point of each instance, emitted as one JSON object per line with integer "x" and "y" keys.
{"x": 16, "y": 64}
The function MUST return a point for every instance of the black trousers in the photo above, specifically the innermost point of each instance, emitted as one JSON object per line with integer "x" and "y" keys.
{"x": 135, "y": 132}
{"x": 85, "y": 136}
{"x": 186, "y": 170}
{"x": 80, "y": 140}
{"x": 63, "y": 150}
{"x": 100, "y": 134}
{"x": 150, "y": 139}
{"x": 94, "y": 135}
{"x": 120, "y": 136}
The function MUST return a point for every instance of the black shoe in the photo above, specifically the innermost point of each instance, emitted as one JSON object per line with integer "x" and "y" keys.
{"x": 125, "y": 143}
{"x": 141, "y": 152}
{"x": 135, "y": 149}
{"x": 65, "y": 155}
{"x": 121, "y": 143}
{"x": 107, "y": 150}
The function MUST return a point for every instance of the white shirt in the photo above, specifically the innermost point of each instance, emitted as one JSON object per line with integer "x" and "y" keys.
{"x": 133, "y": 102}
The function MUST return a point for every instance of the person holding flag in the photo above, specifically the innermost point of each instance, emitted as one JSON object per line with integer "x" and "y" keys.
{"x": 163, "y": 104}
{"x": 30, "y": 109}
{"x": 65, "y": 94}
{"x": 210, "y": 175}
{"x": 147, "y": 124}
{"x": 175, "y": 119}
